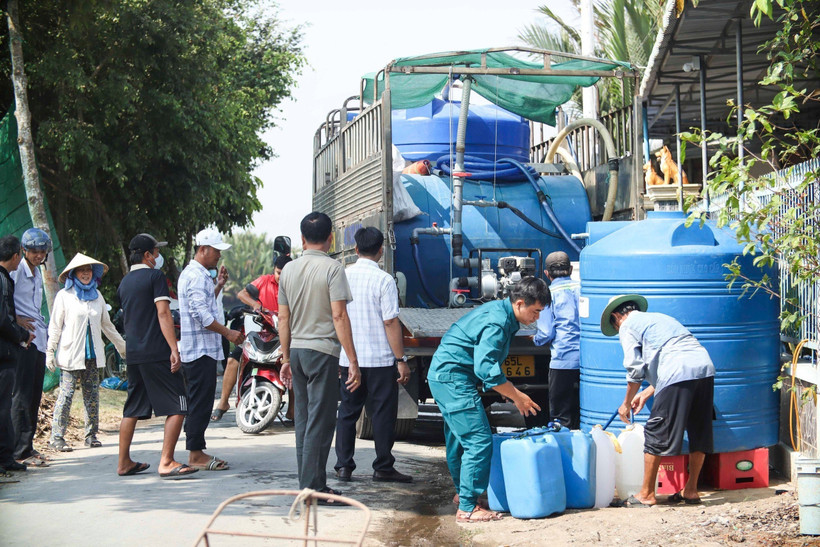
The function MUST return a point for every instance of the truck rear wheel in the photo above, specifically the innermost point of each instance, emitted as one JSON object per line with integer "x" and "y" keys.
{"x": 364, "y": 427}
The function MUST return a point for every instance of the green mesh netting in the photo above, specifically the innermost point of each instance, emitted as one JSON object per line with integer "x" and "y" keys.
{"x": 14, "y": 214}
{"x": 532, "y": 97}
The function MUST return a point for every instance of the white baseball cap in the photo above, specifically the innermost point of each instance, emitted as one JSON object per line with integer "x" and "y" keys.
{"x": 211, "y": 238}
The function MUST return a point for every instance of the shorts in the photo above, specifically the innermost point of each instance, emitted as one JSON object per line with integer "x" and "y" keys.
{"x": 685, "y": 406}
{"x": 236, "y": 354}
{"x": 153, "y": 388}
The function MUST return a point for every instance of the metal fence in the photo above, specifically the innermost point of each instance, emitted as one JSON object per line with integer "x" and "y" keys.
{"x": 793, "y": 201}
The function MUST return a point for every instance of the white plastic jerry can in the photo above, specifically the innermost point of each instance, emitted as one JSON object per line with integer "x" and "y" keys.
{"x": 607, "y": 448}
{"x": 629, "y": 464}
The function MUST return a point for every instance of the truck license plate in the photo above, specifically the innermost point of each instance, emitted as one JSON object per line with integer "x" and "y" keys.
{"x": 519, "y": 366}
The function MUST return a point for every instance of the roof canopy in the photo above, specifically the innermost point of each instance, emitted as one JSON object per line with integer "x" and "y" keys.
{"x": 531, "y": 90}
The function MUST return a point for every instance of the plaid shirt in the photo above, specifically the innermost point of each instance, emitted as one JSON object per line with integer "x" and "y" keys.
{"x": 375, "y": 300}
{"x": 197, "y": 310}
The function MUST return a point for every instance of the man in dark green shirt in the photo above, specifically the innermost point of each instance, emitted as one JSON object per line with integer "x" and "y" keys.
{"x": 471, "y": 353}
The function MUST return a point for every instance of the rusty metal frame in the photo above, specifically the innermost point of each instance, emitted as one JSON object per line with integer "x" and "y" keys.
{"x": 311, "y": 500}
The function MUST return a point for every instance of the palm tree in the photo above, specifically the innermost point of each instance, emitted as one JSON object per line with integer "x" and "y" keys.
{"x": 250, "y": 257}
{"x": 625, "y": 31}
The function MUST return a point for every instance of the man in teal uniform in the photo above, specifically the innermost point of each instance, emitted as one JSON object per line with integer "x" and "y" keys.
{"x": 471, "y": 353}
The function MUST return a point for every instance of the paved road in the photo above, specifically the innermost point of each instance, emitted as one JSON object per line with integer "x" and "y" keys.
{"x": 79, "y": 499}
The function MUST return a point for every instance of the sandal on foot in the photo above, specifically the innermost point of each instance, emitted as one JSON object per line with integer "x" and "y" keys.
{"x": 478, "y": 514}
{"x": 34, "y": 461}
{"x": 633, "y": 502}
{"x": 60, "y": 445}
{"x": 214, "y": 465}
{"x": 92, "y": 442}
{"x": 136, "y": 468}
{"x": 325, "y": 501}
{"x": 482, "y": 503}
{"x": 217, "y": 414}
{"x": 178, "y": 472}
{"x": 677, "y": 497}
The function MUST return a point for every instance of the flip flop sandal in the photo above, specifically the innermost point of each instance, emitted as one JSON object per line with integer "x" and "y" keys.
{"x": 468, "y": 518}
{"x": 179, "y": 472}
{"x": 217, "y": 414}
{"x": 634, "y": 503}
{"x": 214, "y": 465}
{"x": 34, "y": 461}
{"x": 330, "y": 503}
{"x": 138, "y": 467}
{"x": 677, "y": 497}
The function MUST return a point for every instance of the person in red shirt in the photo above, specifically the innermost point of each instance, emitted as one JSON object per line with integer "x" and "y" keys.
{"x": 268, "y": 286}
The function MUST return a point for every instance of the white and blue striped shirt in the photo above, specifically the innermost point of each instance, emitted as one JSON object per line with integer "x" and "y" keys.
{"x": 197, "y": 310}
{"x": 28, "y": 299}
{"x": 375, "y": 300}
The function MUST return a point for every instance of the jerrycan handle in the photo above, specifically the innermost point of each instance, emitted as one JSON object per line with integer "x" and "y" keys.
{"x": 551, "y": 427}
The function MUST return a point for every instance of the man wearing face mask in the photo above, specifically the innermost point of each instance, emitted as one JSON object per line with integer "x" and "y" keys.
{"x": 155, "y": 385}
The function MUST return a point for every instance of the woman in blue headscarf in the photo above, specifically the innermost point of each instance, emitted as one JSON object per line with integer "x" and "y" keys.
{"x": 78, "y": 318}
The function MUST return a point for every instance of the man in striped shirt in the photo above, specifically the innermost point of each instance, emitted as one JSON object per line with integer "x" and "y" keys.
{"x": 200, "y": 343}
{"x": 374, "y": 318}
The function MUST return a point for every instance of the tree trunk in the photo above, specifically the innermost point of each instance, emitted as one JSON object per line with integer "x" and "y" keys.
{"x": 31, "y": 177}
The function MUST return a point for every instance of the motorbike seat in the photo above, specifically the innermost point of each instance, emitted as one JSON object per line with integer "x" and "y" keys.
{"x": 261, "y": 345}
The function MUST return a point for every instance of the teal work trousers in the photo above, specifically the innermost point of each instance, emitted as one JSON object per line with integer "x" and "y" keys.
{"x": 469, "y": 439}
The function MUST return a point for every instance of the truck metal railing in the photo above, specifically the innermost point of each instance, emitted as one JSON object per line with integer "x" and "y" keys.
{"x": 806, "y": 293}
{"x": 587, "y": 146}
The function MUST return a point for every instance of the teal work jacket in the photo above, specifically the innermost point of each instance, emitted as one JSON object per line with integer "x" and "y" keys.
{"x": 473, "y": 349}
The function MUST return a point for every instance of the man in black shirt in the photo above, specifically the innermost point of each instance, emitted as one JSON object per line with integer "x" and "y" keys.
{"x": 12, "y": 336}
{"x": 155, "y": 384}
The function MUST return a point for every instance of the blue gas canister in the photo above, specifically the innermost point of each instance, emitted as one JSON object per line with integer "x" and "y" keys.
{"x": 496, "y": 493}
{"x": 533, "y": 476}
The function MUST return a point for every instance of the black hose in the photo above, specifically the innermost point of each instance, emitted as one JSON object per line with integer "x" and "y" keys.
{"x": 525, "y": 218}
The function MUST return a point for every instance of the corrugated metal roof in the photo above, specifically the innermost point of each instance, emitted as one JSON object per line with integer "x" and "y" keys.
{"x": 708, "y": 30}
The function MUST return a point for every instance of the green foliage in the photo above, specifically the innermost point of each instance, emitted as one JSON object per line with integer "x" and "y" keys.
{"x": 148, "y": 114}
{"x": 250, "y": 257}
{"x": 625, "y": 32}
{"x": 775, "y": 136}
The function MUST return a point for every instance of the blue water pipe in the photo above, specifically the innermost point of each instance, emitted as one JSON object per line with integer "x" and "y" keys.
{"x": 542, "y": 198}
{"x": 486, "y": 170}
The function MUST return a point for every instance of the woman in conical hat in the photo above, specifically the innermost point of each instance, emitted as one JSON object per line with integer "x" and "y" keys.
{"x": 78, "y": 320}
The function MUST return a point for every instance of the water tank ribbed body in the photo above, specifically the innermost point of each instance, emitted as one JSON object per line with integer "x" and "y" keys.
{"x": 429, "y": 132}
{"x": 680, "y": 270}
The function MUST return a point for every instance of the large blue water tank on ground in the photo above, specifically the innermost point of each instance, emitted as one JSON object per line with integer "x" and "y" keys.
{"x": 428, "y": 131}
{"x": 484, "y": 227}
{"x": 681, "y": 271}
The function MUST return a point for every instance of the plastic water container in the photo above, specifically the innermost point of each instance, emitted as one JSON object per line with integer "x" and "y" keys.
{"x": 496, "y": 493}
{"x": 533, "y": 476}
{"x": 578, "y": 455}
{"x": 605, "y": 453}
{"x": 629, "y": 463}
{"x": 808, "y": 495}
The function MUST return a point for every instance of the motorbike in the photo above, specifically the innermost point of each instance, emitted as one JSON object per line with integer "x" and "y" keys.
{"x": 259, "y": 388}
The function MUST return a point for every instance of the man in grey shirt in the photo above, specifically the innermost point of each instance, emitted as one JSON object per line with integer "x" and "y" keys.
{"x": 658, "y": 349}
{"x": 313, "y": 327}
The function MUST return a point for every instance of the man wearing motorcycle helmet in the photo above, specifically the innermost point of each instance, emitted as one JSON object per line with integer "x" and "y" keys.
{"x": 31, "y": 361}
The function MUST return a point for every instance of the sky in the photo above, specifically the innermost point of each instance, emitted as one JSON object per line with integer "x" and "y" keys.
{"x": 343, "y": 41}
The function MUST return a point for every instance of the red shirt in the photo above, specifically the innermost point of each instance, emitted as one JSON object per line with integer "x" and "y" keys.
{"x": 268, "y": 292}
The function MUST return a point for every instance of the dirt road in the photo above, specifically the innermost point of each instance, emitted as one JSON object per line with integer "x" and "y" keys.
{"x": 80, "y": 500}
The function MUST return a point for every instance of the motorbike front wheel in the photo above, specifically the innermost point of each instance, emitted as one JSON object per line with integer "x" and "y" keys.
{"x": 258, "y": 407}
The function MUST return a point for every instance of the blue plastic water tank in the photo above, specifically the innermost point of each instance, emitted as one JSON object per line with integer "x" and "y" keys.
{"x": 428, "y": 131}
{"x": 486, "y": 227}
{"x": 533, "y": 477}
{"x": 681, "y": 271}
{"x": 496, "y": 493}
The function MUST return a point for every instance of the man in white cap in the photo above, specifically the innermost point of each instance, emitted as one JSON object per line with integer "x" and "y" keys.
{"x": 681, "y": 376}
{"x": 200, "y": 345}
